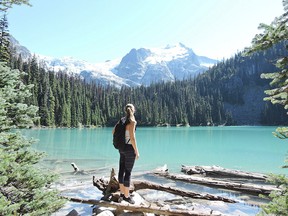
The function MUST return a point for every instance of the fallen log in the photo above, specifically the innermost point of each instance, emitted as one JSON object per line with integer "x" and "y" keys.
{"x": 138, "y": 185}
{"x": 221, "y": 172}
{"x": 142, "y": 208}
{"x": 243, "y": 187}
{"x": 103, "y": 184}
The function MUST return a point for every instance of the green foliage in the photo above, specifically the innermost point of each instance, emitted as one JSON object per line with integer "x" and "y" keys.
{"x": 4, "y": 40}
{"x": 6, "y": 4}
{"x": 15, "y": 112}
{"x": 24, "y": 188}
{"x": 281, "y": 132}
{"x": 273, "y": 34}
{"x": 68, "y": 101}
{"x": 279, "y": 203}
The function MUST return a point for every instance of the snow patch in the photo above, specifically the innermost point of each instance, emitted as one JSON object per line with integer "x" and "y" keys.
{"x": 167, "y": 54}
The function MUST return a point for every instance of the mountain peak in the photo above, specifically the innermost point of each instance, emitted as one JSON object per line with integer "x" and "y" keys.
{"x": 141, "y": 66}
{"x": 169, "y": 53}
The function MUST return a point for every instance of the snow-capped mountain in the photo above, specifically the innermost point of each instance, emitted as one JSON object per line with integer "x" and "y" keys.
{"x": 146, "y": 66}
{"x": 139, "y": 67}
{"x": 19, "y": 49}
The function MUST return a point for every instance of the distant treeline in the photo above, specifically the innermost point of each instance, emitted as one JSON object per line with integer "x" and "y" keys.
{"x": 68, "y": 101}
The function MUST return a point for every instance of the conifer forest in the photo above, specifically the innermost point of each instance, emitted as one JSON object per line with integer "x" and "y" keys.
{"x": 66, "y": 100}
{"x": 69, "y": 101}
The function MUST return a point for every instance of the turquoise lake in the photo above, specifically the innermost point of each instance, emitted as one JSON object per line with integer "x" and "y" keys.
{"x": 247, "y": 148}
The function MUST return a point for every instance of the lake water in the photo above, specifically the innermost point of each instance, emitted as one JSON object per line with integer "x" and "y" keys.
{"x": 248, "y": 148}
{"x": 245, "y": 148}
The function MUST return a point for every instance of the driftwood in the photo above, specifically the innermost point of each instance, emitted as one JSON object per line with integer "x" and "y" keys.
{"x": 110, "y": 189}
{"x": 138, "y": 185}
{"x": 254, "y": 189}
{"x": 107, "y": 188}
{"x": 75, "y": 167}
{"x": 102, "y": 185}
{"x": 221, "y": 172}
{"x": 140, "y": 208}
{"x": 112, "y": 186}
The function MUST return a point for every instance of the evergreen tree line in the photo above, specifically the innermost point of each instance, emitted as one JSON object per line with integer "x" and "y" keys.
{"x": 25, "y": 188}
{"x": 235, "y": 75}
{"x": 270, "y": 35}
{"x": 68, "y": 101}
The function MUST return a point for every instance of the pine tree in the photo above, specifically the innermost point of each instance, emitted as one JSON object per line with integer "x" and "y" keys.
{"x": 4, "y": 40}
{"x": 273, "y": 34}
{"x": 24, "y": 188}
{"x": 6, "y": 4}
{"x": 33, "y": 77}
{"x": 43, "y": 98}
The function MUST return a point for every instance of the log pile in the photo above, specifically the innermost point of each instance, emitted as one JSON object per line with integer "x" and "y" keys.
{"x": 198, "y": 175}
{"x": 102, "y": 185}
{"x": 249, "y": 188}
{"x": 194, "y": 175}
{"x": 110, "y": 197}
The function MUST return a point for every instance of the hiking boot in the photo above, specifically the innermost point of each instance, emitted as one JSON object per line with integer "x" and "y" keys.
{"x": 129, "y": 200}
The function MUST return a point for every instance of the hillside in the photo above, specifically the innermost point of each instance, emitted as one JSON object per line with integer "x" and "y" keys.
{"x": 238, "y": 81}
{"x": 229, "y": 93}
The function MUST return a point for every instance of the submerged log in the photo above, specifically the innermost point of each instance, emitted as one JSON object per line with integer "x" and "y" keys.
{"x": 243, "y": 187}
{"x": 221, "y": 172}
{"x": 142, "y": 208}
{"x": 102, "y": 185}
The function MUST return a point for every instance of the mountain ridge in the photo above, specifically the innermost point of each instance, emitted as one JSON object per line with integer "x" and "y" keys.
{"x": 142, "y": 66}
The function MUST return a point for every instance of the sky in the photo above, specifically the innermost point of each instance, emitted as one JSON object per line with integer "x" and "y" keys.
{"x": 100, "y": 30}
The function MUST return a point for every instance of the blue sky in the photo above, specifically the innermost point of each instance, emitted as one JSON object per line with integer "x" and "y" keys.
{"x": 100, "y": 30}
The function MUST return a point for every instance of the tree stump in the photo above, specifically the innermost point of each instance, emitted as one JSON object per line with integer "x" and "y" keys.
{"x": 108, "y": 188}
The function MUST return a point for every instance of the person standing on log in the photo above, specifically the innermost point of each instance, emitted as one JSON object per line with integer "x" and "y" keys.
{"x": 128, "y": 155}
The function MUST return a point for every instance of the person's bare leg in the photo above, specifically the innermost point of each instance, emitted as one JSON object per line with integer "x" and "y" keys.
{"x": 122, "y": 189}
{"x": 126, "y": 192}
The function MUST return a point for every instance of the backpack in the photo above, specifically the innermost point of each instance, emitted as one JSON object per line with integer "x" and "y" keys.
{"x": 119, "y": 134}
